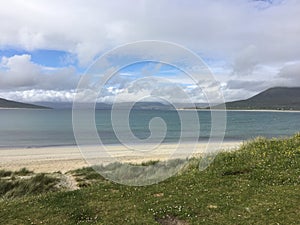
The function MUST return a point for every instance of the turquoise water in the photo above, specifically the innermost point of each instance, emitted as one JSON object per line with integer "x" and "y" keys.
{"x": 36, "y": 128}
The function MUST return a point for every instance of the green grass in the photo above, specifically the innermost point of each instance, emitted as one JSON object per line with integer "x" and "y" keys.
{"x": 21, "y": 172}
{"x": 23, "y": 182}
{"x": 257, "y": 184}
{"x": 86, "y": 176}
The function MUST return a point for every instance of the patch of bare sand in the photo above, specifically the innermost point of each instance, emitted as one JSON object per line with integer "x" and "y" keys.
{"x": 63, "y": 159}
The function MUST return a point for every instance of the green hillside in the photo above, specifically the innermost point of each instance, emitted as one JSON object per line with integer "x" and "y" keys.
{"x": 278, "y": 98}
{"x": 4, "y": 103}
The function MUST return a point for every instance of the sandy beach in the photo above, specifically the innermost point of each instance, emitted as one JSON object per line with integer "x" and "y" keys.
{"x": 65, "y": 158}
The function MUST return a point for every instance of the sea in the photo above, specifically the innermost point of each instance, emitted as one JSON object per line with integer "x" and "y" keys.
{"x": 30, "y": 128}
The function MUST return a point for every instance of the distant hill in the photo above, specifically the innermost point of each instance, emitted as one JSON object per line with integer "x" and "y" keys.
{"x": 277, "y": 98}
{"x": 4, "y": 103}
{"x": 123, "y": 105}
{"x": 68, "y": 105}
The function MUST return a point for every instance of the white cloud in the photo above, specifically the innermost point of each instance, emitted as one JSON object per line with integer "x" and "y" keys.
{"x": 156, "y": 88}
{"x": 211, "y": 27}
{"x": 246, "y": 61}
{"x": 19, "y": 72}
{"x": 291, "y": 71}
{"x": 254, "y": 38}
{"x": 290, "y": 74}
{"x": 35, "y": 95}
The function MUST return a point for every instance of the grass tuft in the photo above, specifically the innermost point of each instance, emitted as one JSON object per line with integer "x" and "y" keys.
{"x": 23, "y": 172}
{"x": 5, "y": 173}
{"x": 34, "y": 184}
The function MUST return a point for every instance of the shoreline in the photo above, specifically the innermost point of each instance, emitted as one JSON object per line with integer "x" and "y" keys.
{"x": 244, "y": 110}
{"x": 263, "y": 110}
{"x": 112, "y": 144}
{"x": 66, "y": 158}
{"x": 179, "y": 109}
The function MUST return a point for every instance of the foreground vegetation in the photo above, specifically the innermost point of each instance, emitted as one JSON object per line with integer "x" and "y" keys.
{"x": 257, "y": 184}
{"x": 24, "y": 182}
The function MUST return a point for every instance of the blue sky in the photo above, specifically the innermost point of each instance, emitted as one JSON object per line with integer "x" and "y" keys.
{"x": 44, "y": 57}
{"x": 46, "y": 46}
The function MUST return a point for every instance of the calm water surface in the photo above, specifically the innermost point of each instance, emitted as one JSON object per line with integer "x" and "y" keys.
{"x": 36, "y": 128}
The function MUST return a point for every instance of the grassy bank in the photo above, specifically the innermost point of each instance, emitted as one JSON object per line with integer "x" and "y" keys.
{"x": 257, "y": 184}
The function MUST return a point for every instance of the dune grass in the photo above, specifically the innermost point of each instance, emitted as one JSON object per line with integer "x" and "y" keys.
{"x": 21, "y": 172}
{"x": 257, "y": 184}
{"x": 24, "y": 182}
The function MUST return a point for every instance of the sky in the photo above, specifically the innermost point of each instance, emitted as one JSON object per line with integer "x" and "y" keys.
{"x": 47, "y": 46}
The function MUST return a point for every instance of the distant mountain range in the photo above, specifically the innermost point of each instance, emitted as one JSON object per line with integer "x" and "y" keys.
{"x": 277, "y": 98}
{"x": 4, "y": 103}
{"x": 123, "y": 105}
{"x": 68, "y": 105}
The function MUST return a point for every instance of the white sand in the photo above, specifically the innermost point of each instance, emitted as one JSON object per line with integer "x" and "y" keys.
{"x": 51, "y": 159}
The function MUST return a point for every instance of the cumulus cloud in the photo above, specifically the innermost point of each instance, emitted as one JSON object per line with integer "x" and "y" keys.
{"x": 35, "y": 95}
{"x": 156, "y": 88}
{"x": 213, "y": 27}
{"x": 21, "y": 79}
{"x": 290, "y": 73}
{"x": 254, "y": 38}
{"x": 19, "y": 72}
